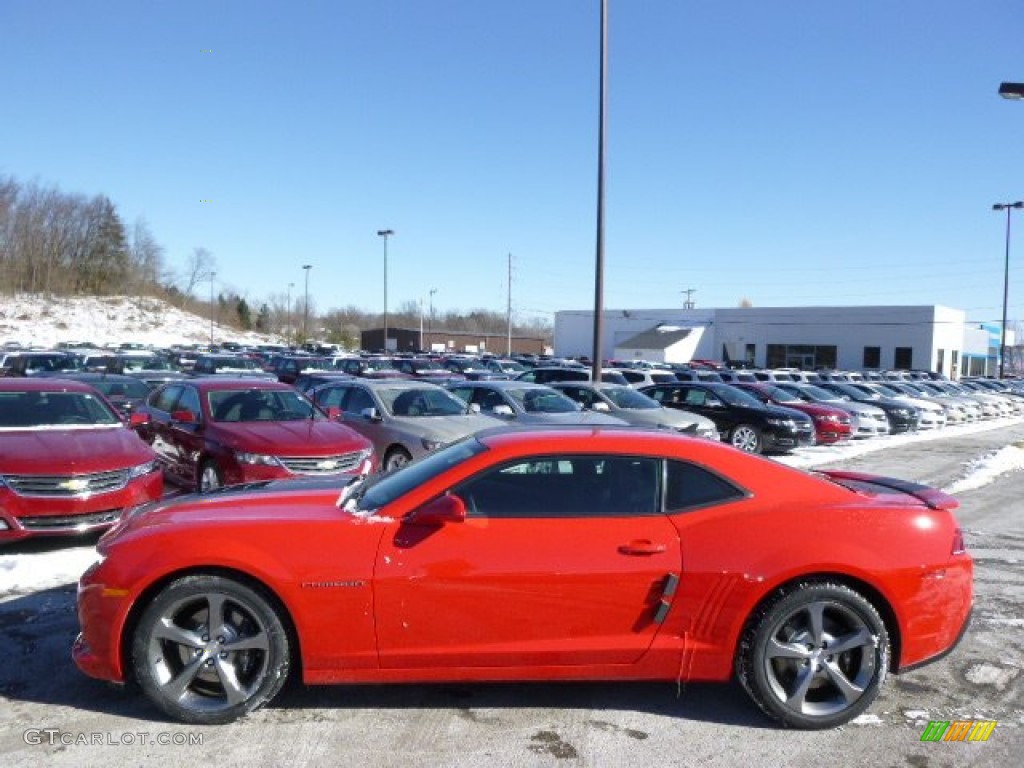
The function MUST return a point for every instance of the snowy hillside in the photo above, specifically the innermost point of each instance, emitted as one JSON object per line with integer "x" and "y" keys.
{"x": 36, "y": 320}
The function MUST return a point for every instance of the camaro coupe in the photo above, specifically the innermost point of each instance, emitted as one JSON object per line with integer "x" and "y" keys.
{"x": 572, "y": 553}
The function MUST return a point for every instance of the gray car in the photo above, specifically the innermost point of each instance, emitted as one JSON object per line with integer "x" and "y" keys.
{"x": 403, "y": 419}
{"x": 636, "y": 408}
{"x": 525, "y": 403}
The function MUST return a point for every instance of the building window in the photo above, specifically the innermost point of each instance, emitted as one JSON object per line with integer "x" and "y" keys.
{"x": 807, "y": 357}
{"x": 955, "y": 357}
{"x": 940, "y": 361}
{"x": 903, "y": 358}
{"x": 749, "y": 354}
{"x": 872, "y": 357}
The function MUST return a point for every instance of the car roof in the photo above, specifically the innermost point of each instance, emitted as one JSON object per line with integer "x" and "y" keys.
{"x": 233, "y": 382}
{"x": 43, "y": 384}
{"x": 389, "y": 383}
{"x": 508, "y": 384}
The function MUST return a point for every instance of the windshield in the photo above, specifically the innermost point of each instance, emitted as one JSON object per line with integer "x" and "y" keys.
{"x": 541, "y": 400}
{"x": 427, "y": 366}
{"x": 122, "y": 388}
{"x": 224, "y": 364}
{"x": 627, "y": 397}
{"x": 381, "y": 490}
{"x": 780, "y": 395}
{"x": 244, "y": 405}
{"x": 30, "y": 410}
{"x": 734, "y": 396}
{"x": 421, "y": 401}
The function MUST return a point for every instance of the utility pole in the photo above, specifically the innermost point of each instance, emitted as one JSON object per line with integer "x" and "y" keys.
{"x": 688, "y": 304}
{"x": 508, "y": 309}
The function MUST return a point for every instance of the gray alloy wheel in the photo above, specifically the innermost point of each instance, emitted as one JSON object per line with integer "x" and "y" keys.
{"x": 816, "y": 657}
{"x": 209, "y": 650}
{"x": 746, "y": 438}
{"x": 210, "y": 476}
{"x": 396, "y": 458}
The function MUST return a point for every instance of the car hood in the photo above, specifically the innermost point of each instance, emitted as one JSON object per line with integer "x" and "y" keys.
{"x": 78, "y": 450}
{"x": 672, "y": 417}
{"x": 575, "y": 417}
{"x": 305, "y": 437}
{"x": 445, "y": 429}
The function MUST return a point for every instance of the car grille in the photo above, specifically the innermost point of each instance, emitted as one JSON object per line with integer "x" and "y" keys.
{"x": 67, "y": 486}
{"x": 106, "y": 517}
{"x": 323, "y": 465}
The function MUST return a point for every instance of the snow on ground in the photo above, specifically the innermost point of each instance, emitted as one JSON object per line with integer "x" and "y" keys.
{"x": 984, "y": 470}
{"x": 35, "y": 320}
{"x": 24, "y": 573}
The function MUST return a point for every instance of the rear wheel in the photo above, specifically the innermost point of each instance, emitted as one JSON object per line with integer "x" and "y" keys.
{"x": 210, "y": 649}
{"x": 746, "y": 438}
{"x": 815, "y": 657}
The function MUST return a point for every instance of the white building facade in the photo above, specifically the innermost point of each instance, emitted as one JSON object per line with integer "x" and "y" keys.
{"x": 930, "y": 337}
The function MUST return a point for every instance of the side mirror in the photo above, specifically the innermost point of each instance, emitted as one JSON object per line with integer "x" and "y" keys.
{"x": 138, "y": 419}
{"x": 185, "y": 417}
{"x": 503, "y": 410}
{"x": 474, "y": 408}
{"x": 334, "y": 413}
{"x": 600, "y": 406}
{"x": 443, "y": 509}
{"x": 370, "y": 414}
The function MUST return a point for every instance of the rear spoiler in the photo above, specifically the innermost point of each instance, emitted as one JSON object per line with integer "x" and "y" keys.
{"x": 931, "y": 497}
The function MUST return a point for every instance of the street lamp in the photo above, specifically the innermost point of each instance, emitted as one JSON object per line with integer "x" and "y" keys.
{"x": 385, "y": 233}
{"x": 305, "y": 303}
{"x": 430, "y": 317}
{"x": 288, "y": 313}
{"x": 212, "y": 275}
{"x": 1011, "y": 90}
{"x": 1006, "y": 279}
{"x": 595, "y": 363}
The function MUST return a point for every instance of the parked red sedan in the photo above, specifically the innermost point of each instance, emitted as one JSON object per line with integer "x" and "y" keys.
{"x": 222, "y": 431}
{"x": 575, "y": 554}
{"x": 68, "y": 464}
{"x": 831, "y": 425}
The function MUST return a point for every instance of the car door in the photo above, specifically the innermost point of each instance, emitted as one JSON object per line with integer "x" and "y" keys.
{"x": 156, "y": 431}
{"x": 561, "y": 561}
{"x": 184, "y": 438}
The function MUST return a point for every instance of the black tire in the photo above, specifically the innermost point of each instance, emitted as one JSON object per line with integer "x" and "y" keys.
{"x": 395, "y": 458}
{"x": 210, "y": 477}
{"x": 197, "y": 674}
{"x": 815, "y": 656}
{"x": 747, "y": 438}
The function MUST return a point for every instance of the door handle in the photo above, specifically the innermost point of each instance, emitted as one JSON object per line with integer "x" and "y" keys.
{"x": 641, "y": 547}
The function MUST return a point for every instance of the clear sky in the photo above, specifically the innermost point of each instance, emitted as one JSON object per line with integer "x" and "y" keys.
{"x": 796, "y": 152}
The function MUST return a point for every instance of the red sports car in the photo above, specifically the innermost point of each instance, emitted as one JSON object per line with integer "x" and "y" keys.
{"x": 68, "y": 464}
{"x": 572, "y": 554}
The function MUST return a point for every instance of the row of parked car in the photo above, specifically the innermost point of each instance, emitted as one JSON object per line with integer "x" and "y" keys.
{"x": 82, "y": 446}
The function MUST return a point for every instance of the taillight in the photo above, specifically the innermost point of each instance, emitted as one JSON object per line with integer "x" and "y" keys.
{"x": 958, "y": 542}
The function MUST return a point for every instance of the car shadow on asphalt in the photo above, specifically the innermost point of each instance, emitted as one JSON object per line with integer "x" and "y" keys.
{"x": 38, "y": 629}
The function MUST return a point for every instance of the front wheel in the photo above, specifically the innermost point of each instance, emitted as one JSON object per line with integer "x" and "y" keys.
{"x": 209, "y": 650}
{"x": 746, "y": 438}
{"x": 396, "y": 458}
{"x": 815, "y": 657}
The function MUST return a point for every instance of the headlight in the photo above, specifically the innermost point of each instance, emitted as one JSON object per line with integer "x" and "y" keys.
{"x": 902, "y": 412}
{"x": 431, "y": 445}
{"x": 257, "y": 458}
{"x": 136, "y": 471}
{"x": 787, "y": 423}
{"x": 831, "y": 419}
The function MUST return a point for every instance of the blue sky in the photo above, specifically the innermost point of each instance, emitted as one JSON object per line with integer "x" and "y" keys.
{"x": 791, "y": 153}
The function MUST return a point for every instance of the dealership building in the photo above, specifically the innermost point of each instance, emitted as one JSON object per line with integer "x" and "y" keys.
{"x": 933, "y": 337}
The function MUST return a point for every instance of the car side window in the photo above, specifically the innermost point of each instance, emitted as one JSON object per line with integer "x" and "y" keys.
{"x": 688, "y": 486}
{"x": 189, "y": 401}
{"x": 164, "y": 399}
{"x": 488, "y": 399}
{"x": 357, "y": 401}
{"x": 696, "y": 397}
{"x": 463, "y": 393}
{"x": 331, "y": 397}
{"x": 566, "y": 486}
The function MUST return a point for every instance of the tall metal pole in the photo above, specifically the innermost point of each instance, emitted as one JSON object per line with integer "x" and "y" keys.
{"x": 599, "y": 266}
{"x": 430, "y": 317}
{"x": 385, "y": 233}
{"x": 1006, "y": 280}
{"x": 508, "y": 309}
{"x": 288, "y": 325}
{"x": 305, "y": 305}
{"x": 212, "y": 275}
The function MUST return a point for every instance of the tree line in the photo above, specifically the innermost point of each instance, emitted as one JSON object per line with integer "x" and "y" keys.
{"x": 62, "y": 244}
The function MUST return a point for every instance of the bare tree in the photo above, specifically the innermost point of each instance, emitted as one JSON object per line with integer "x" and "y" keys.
{"x": 201, "y": 266}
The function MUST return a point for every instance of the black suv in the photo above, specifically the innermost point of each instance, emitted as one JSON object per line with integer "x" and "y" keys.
{"x": 741, "y": 419}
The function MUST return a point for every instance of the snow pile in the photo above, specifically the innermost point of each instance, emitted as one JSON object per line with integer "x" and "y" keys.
{"x": 36, "y": 320}
{"x": 987, "y": 468}
{"x": 24, "y": 573}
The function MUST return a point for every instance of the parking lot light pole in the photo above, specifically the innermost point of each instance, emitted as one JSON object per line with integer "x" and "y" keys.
{"x": 288, "y": 313}
{"x": 212, "y": 275}
{"x": 305, "y": 303}
{"x": 1006, "y": 279}
{"x": 385, "y": 233}
{"x": 430, "y": 316}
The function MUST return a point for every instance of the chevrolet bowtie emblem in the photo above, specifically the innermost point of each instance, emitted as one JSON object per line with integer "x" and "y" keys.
{"x": 74, "y": 484}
